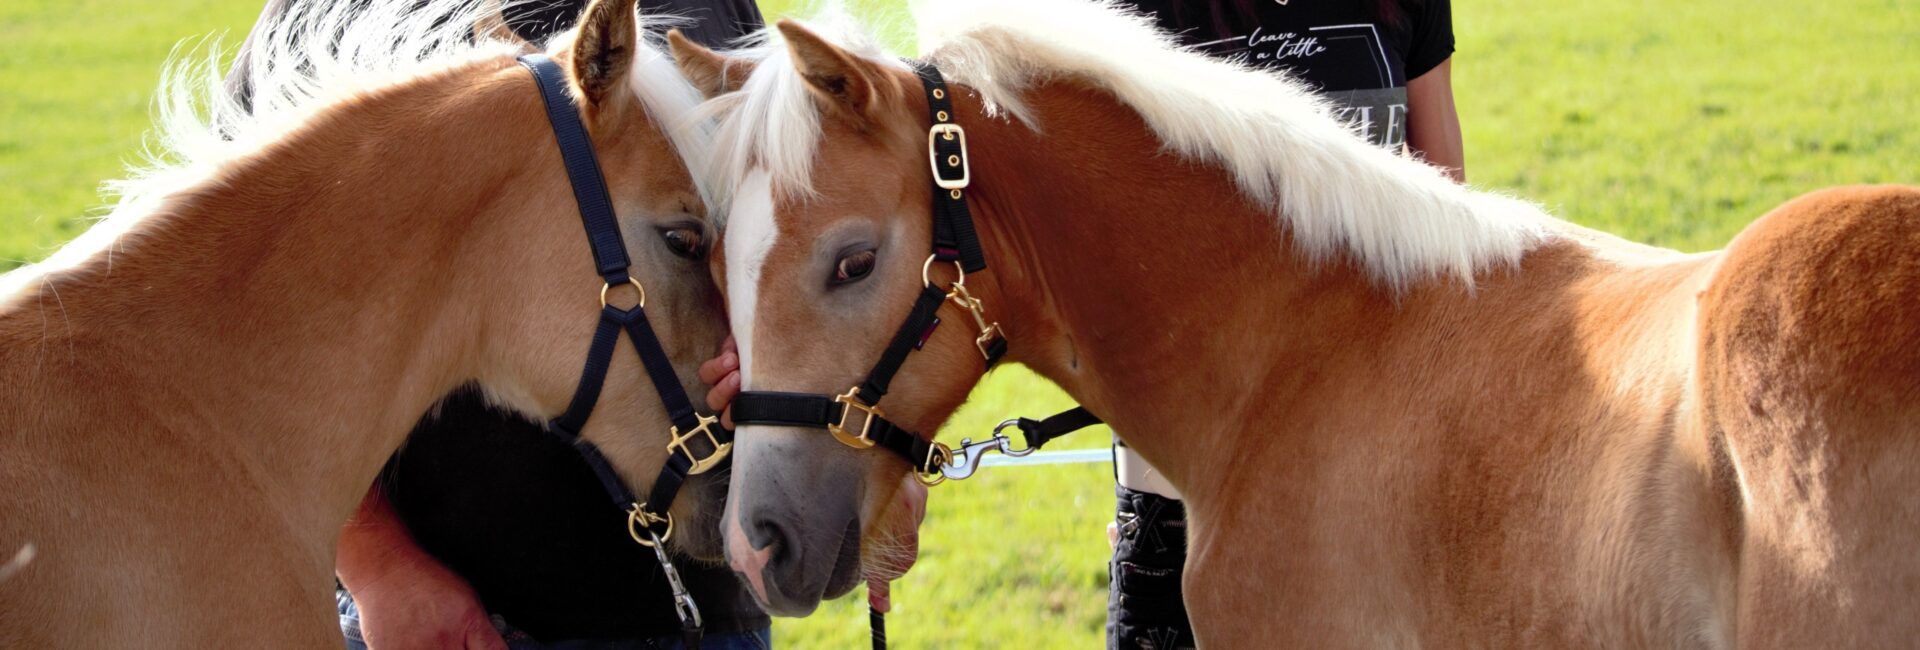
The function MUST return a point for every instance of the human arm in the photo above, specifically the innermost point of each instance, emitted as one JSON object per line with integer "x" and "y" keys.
{"x": 407, "y": 599}
{"x": 1433, "y": 125}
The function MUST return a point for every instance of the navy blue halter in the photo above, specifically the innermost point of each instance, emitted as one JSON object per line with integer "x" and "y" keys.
{"x": 696, "y": 442}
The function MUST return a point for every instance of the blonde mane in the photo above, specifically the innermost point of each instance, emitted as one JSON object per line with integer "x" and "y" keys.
{"x": 1400, "y": 218}
{"x": 305, "y": 61}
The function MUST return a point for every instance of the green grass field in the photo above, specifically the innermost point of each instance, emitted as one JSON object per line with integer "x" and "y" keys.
{"x": 1669, "y": 123}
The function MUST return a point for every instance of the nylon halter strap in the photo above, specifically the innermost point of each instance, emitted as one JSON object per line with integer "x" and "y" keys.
{"x": 696, "y": 443}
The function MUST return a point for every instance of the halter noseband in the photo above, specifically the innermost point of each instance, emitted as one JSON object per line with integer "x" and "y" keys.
{"x": 854, "y": 418}
{"x": 647, "y": 521}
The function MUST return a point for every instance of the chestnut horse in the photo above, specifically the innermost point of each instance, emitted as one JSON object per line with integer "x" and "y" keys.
{"x": 200, "y": 389}
{"x": 1402, "y": 412}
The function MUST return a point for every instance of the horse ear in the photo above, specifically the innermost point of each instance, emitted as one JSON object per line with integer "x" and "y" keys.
{"x": 710, "y": 72}
{"x": 838, "y": 78}
{"x": 602, "y": 55}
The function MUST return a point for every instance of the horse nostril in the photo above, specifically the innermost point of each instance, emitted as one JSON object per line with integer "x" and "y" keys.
{"x": 769, "y": 539}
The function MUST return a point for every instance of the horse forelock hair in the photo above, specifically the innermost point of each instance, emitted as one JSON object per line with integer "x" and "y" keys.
{"x": 771, "y": 122}
{"x": 312, "y": 57}
{"x": 1399, "y": 218}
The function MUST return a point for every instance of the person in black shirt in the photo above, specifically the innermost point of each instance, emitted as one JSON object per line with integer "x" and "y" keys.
{"x": 485, "y": 532}
{"x": 1386, "y": 65}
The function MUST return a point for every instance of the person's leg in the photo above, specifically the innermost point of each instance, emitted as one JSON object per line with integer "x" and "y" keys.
{"x": 1144, "y": 607}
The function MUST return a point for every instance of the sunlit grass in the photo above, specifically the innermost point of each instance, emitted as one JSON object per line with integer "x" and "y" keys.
{"x": 1670, "y": 123}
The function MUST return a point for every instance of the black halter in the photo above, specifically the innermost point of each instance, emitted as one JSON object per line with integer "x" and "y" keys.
{"x": 954, "y": 242}
{"x": 696, "y": 443}
{"x": 854, "y": 417}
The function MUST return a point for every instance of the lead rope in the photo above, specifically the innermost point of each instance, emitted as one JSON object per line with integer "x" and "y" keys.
{"x": 648, "y": 522}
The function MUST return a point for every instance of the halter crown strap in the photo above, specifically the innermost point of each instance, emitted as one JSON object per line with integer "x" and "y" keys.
{"x": 583, "y": 169}
{"x": 954, "y": 238}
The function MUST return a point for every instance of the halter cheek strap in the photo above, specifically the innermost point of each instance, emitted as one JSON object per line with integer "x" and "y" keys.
{"x": 695, "y": 442}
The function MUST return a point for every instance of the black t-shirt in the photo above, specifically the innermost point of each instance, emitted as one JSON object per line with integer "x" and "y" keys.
{"x": 1359, "y": 53}
{"x": 518, "y": 514}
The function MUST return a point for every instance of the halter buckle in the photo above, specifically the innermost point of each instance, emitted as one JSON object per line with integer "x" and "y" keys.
{"x": 951, "y": 133}
{"x": 985, "y": 341}
{"x": 849, "y": 402}
{"x": 989, "y": 331}
{"x": 640, "y": 523}
{"x": 678, "y": 444}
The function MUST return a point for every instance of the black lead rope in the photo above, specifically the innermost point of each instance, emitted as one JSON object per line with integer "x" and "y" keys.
{"x": 854, "y": 417}
{"x": 696, "y": 443}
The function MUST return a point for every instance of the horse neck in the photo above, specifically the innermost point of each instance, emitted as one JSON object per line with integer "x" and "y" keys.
{"x": 1151, "y": 290}
{"x": 294, "y": 314}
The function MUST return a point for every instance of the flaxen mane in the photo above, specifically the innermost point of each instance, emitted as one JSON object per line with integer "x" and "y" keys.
{"x": 314, "y": 56}
{"x": 1279, "y": 140}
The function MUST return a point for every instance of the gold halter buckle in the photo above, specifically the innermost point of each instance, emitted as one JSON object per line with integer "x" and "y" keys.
{"x": 640, "y": 523}
{"x": 951, "y": 133}
{"x": 849, "y": 402}
{"x": 678, "y": 444}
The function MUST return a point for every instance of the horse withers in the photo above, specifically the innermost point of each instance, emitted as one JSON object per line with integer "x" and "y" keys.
{"x": 200, "y": 389}
{"x": 1402, "y": 412}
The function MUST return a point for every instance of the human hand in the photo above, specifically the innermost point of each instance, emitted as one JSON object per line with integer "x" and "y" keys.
{"x": 723, "y": 373}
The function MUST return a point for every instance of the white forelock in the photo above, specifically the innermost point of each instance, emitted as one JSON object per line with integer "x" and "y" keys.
{"x": 309, "y": 58}
{"x": 1337, "y": 194}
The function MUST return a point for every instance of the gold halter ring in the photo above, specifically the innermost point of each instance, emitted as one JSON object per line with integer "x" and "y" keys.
{"x": 926, "y": 271}
{"x": 636, "y": 287}
{"x": 640, "y": 523}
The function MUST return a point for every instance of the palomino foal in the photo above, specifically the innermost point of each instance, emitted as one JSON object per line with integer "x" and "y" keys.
{"x": 193, "y": 406}
{"x": 1403, "y": 413}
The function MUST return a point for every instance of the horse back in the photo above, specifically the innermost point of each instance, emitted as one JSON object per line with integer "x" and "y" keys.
{"x": 1809, "y": 375}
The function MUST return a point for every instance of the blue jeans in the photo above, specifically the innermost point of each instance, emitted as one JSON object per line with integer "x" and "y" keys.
{"x": 761, "y": 639}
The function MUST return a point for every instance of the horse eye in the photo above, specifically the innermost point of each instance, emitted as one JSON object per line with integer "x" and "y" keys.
{"x": 853, "y": 267}
{"x": 685, "y": 241}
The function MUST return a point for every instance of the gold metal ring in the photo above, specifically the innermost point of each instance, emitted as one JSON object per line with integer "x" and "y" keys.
{"x": 636, "y": 287}
{"x": 640, "y": 523}
{"x": 939, "y": 94}
{"x": 942, "y": 116}
{"x": 954, "y": 193}
{"x": 926, "y": 271}
{"x": 953, "y": 161}
{"x": 944, "y": 455}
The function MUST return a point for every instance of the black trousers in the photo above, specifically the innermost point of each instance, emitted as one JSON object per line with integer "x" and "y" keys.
{"x": 1145, "y": 610}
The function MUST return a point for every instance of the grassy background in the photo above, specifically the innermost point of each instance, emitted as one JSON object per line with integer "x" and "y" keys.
{"x": 1670, "y": 123}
